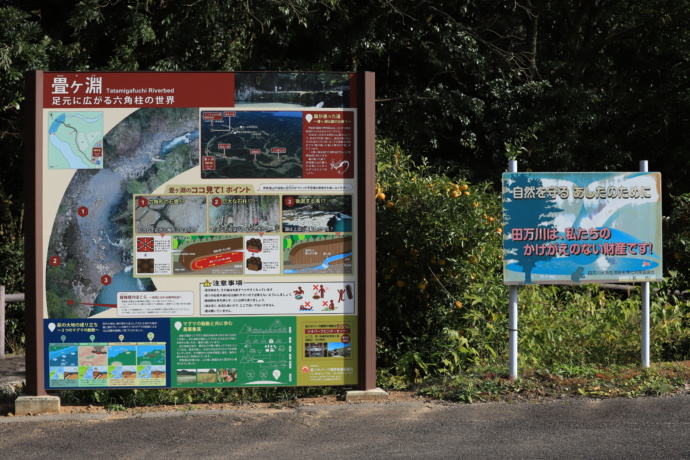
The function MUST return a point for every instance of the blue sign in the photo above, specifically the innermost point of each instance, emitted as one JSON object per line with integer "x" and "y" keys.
{"x": 577, "y": 228}
{"x": 97, "y": 353}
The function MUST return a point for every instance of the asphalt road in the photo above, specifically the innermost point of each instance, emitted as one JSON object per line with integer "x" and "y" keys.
{"x": 648, "y": 428}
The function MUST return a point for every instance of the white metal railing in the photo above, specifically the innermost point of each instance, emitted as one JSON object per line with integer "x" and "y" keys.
{"x": 4, "y": 298}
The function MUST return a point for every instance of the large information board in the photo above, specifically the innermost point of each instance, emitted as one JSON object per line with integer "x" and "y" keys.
{"x": 201, "y": 229}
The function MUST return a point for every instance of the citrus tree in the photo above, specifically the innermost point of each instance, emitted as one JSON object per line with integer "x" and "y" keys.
{"x": 439, "y": 287}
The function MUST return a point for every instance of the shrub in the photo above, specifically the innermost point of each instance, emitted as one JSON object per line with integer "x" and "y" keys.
{"x": 438, "y": 267}
{"x": 442, "y": 306}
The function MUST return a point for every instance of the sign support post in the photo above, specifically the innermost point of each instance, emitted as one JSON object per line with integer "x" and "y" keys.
{"x": 367, "y": 249}
{"x": 644, "y": 167}
{"x": 513, "y": 311}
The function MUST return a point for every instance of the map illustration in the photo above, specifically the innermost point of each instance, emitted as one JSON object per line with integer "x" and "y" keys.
{"x": 246, "y": 351}
{"x": 245, "y": 144}
{"x": 75, "y": 140}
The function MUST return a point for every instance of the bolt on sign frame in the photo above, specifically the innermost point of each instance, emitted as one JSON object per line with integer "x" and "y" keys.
{"x": 200, "y": 229}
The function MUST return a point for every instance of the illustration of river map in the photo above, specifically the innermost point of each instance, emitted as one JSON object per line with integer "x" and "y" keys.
{"x": 249, "y": 144}
{"x": 75, "y": 140}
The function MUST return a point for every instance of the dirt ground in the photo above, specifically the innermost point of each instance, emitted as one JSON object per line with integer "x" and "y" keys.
{"x": 393, "y": 397}
{"x": 12, "y": 370}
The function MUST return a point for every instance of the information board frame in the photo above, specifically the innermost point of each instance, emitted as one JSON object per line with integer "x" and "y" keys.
{"x": 336, "y": 139}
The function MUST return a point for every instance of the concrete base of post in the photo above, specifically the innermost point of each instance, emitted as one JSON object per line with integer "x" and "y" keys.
{"x": 356, "y": 396}
{"x": 33, "y": 405}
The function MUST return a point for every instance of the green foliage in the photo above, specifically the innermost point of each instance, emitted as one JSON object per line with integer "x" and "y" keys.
{"x": 438, "y": 284}
{"x": 578, "y": 326}
{"x": 491, "y": 384}
{"x": 676, "y": 249}
{"x": 59, "y": 297}
{"x": 12, "y": 263}
{"x": 438, "y": 248}
{"x": 462, "y": 83}
{"x": 118, "y": 400}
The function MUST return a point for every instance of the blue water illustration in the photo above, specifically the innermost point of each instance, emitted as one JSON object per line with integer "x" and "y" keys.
{"x": 145, "y": 373}
{"x": 74, "y": 161}
{"x": 581, "y": 263}
{"x": 150, "y": 354}
{"x": 115, "y": 350}
{"x": 323, "y": 266}
{"x": 57, "y": 373}
{"x": 67, "y": 356}
{"x": 55, "y": 125}
{"x": 119, "y": 355}
{"x": 116, "y": 372}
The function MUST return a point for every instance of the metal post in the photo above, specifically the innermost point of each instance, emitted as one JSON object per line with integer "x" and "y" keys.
{"x": 513, "y": 331}
{"x": 2, "y": 322}
{"x": 513, "y": 312}
{"x": 366, "y": 278}
{"x": 644, "y": 167}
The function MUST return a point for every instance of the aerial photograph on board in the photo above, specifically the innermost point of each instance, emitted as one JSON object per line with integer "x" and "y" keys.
{"x": 90, "y": 252}
{"x": 250, "y": 144}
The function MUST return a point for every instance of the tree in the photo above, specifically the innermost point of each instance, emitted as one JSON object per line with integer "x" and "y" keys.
{"x": 22, "y": 47}
{"x": 526, "y": 213}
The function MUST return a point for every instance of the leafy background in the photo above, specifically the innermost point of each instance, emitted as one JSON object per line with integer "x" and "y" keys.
{"x": 461, "y": 86}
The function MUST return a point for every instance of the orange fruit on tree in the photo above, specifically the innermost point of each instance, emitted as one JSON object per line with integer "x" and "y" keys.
{"x": 381, "y": 196}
